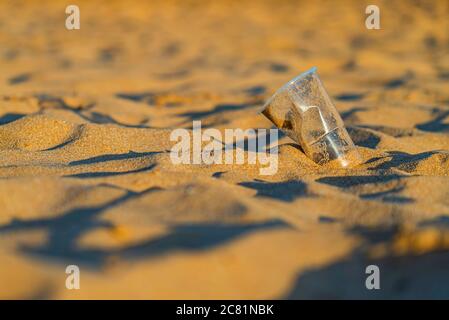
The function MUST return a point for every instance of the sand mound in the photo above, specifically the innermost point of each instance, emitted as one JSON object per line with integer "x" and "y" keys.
{"x": 36, "y": 133}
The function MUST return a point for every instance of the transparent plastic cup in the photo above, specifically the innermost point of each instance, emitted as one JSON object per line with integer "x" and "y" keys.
{"x": 303, "y": 110}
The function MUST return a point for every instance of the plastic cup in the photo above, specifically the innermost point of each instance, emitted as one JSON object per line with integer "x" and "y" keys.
{"x": 303, "y": 110}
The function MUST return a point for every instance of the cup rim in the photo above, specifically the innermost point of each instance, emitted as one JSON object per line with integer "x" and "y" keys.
{"x": 289, "y": 83}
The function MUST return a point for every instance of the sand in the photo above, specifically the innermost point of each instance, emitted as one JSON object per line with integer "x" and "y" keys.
{"x": 86, "y": 177}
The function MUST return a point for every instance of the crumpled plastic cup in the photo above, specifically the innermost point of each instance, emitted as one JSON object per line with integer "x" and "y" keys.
{"x": 303, "y": 110}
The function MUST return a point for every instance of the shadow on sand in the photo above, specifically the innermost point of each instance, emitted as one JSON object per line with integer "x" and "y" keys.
{"x": 284, "y": 191}
{"x": 65, "y": 230}
{"x": 401, "y": 277}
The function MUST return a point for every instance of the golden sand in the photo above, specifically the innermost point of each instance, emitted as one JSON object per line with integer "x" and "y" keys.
{"x": 86, "y": 176}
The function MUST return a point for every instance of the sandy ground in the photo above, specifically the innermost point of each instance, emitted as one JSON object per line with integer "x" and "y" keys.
{"x": 86, "y": 177}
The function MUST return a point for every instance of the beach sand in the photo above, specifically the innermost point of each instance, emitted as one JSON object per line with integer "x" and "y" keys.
{"x": 86, "y": 177}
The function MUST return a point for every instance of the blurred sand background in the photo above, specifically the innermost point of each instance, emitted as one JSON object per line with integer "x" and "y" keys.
{"x": 86, "y": 178}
